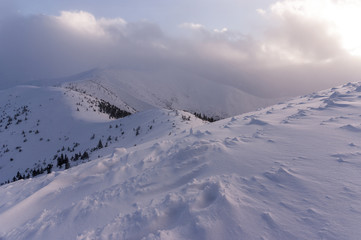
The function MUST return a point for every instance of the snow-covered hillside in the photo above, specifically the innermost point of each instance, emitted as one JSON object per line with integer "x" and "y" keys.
{"x": 290, "y": 171}
{"x": 41, "y": 127}
{"x": 143, "y": 90}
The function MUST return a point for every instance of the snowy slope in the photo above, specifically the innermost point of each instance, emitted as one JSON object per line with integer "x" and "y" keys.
{"x": 39, "y": 124}
{"x": 290, "y": 171}
{"x": 142, "y": 90}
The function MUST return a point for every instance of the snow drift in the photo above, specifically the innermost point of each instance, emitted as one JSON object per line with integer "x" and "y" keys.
{"x": 290, "y": 171}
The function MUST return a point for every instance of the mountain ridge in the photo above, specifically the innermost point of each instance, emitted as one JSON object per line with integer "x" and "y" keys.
{"x": 147, "y": 88}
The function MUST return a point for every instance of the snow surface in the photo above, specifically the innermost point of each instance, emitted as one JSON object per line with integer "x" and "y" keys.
{"x": 290, "y": 171}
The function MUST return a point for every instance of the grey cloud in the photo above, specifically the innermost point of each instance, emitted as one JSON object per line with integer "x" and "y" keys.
{"x": 41, "y": 47}
{"x": 306, "y": 38}
{"x": 37, "y": 47}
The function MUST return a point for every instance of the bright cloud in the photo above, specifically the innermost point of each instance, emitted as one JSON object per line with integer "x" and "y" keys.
{"x": 339, "y": 18}
{"x": 81, "y": 21}
{"x": 85, "y": 23}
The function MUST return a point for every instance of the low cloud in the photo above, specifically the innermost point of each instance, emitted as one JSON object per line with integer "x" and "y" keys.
{"x": 297, "y": 53}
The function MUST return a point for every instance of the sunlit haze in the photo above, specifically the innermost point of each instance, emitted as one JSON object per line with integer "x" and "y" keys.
{"x": 272, "y": 48}
{"x": 341, "y": 18}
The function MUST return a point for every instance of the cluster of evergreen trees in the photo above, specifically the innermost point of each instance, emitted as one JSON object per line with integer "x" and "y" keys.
{"x": 99, "y": 146}
{"x": 8, "y": 120}
{"x": 111, "y": 110}
{"x": 204, "y": 117}
{"x": 41, "y": 170}
{"x": 63, "y": 159}
{"x": 32, "y": 173}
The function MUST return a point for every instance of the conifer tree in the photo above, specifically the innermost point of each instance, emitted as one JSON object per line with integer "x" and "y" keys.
{"x": 100, "y": 144}
{"x": 85, "y": 155}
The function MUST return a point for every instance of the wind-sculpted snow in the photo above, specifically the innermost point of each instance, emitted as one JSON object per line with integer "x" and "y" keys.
{"x": 290, "y": 171}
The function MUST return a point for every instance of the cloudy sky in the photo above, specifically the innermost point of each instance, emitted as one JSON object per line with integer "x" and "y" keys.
{"x": 269, "y": 47}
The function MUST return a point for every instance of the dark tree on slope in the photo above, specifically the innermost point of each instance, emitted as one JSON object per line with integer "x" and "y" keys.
{"x": 63, "y": 159}
{"x": 49, "y": 168}
{"x": 100, "y": 144}
{"x": 85, "y": 156}
{"x": 76, "y": 156}
{"x": 137, "y": 131}
{"x": 19, "y": 176}
{"x": 111, "y": 110}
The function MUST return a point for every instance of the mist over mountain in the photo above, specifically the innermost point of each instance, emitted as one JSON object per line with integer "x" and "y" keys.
{"x": 179, "y": 90}
{"x": 278, "y": 62}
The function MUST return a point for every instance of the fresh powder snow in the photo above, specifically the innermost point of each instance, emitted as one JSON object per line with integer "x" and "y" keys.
{"x": 289, "y": 171}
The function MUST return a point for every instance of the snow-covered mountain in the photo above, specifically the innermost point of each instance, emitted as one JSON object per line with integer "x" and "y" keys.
{"x": 170, "y": 89}
{"x": 290, "y": 171}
